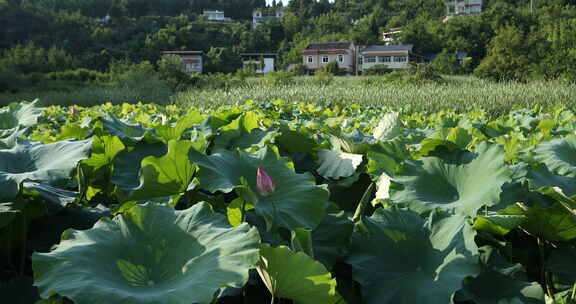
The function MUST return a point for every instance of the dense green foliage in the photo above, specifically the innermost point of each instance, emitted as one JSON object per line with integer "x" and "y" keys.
{"x": 294, "y": 201}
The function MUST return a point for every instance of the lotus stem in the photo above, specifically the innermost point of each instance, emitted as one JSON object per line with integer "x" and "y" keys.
{"x": 23, "y": 249}
{"x": 363, "y": 202}
{"x": 544, "y": 272}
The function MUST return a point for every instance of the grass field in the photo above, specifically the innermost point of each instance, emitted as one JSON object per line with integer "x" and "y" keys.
{"x": 458, "y": 93}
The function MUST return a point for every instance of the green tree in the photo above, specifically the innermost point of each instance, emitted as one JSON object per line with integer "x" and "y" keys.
{"x": 222, "y": 60}
{"x": 510, "y": 56}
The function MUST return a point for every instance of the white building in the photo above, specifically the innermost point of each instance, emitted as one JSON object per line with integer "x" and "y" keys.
{"x": 465, "y": 7}
{"x": 191, "y": 60}
{"x": 264, "y": 62}
{"x": 216, "y": 16}
{"x": 393, "y": 56}
{"x": 391, "y": 36}
{"x": 262, "y": 14}
{"x": 317, "y": 55}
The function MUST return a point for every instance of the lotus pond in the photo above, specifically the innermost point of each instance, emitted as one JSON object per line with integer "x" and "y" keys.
{"x": 286, "y": 203}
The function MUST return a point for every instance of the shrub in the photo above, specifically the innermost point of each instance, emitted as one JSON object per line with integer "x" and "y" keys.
{"x": 333, "y": 68}
{"x": 279, "y": 78}
{"x": 171, "y": 71}
{"x": 447, "y": 63}
{"x": 80, "y": 75}
{"x": 218, "y": 81}
{"x": 246, "y": 72}
{"x": 379, "y": 69}
{"x": 299, "y": 69}
{"x": 424, "y": 71}
{"x": 30, "y": 58}
{"x": 323, "y": 78}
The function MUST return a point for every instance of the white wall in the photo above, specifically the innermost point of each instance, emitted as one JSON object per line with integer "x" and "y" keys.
{"x": 318, "y": 63}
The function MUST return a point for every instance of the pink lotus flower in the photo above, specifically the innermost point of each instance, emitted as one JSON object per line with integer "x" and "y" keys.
{"x": 74, "y": 111}
{"x": 264, "y": 182}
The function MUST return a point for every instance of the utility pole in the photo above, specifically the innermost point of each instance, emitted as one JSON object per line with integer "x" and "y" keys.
{"x": 532, "y": 7}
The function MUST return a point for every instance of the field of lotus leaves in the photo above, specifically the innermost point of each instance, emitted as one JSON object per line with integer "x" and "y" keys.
{"x": 286, "y": 203}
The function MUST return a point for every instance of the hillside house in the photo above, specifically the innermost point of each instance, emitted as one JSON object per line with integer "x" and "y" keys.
{"x": 191, "y": 60}
{"x": 264, "y": 62}
{"x": 217, "y": 16}
{"x": 465, "y": 7}
{"x": 318, "y": 55}
{"x": 391, "y": 36}
{"x": 267, "y": 13}
{"x": 393, "y": 56}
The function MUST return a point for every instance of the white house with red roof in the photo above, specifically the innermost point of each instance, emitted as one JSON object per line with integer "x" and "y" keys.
{"x": 319, "y": 54}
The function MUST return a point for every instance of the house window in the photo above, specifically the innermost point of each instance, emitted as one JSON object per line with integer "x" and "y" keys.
{"x": 400, "y": 59}
{"x": 310, "y": 59}
{"x": 325, "y": 59}
{"x": 384, "y": 59}
{"x": 369, "y": 59}
{"x": 340, "y": 58}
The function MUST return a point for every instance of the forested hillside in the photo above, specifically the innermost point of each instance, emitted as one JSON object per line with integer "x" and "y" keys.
{"x": 511, "y": 39}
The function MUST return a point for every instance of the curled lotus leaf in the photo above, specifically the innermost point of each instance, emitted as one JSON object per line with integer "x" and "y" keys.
{"x": 19, "y": 114}
{"x": 150, "y": 254}
{"x": 559, "y": 155}
{"x": 462, "y": 182}
{"x": 49, "y": 164}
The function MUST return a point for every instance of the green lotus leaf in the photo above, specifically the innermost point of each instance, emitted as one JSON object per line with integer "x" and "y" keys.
{"x": 9, "y": 141}
{"x": 175, "y": 132}
{"x": 337, "y": 164}
{"x": 383, "y": 187}
{"x": 541, "y": 177}
{"x": 398, "y": 258}
{"x": 388, "y": 127}
{"x": 238, "y": 128}
{"x": 295, "y": 141}
{"x": 166, "y": 175}
{"x": 19, "y": 114}
{"x": 131, "y": 133}
{"x": 503, "y": 282}
{"x": 55, "y": 198}
{"x": 49, "y": 164}
{"x": 151, "y": 254}
{"x": 464, "y": 182}
{"x": 559, "y": 155}
{"x": 460, "y": 137}
{"x": 296, "y": 276}
{"x": 127, "y": 164}
{"x": 95, "y": 171}
{"x": 555, "y": 223}
{"x": 295, "y": 203}
{"x": 236, "y": 211}
{"x": 429, "y": 146}
{"x": 330, "y": 240}
{"x": 498, "y": 224}
{"x": 301, "y": 241}
{"x": 386, "y": 157}
{"x": 252, "y": 141}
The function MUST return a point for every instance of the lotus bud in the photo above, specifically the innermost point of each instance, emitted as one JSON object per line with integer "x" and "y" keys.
{"x": 264, "y": 182}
